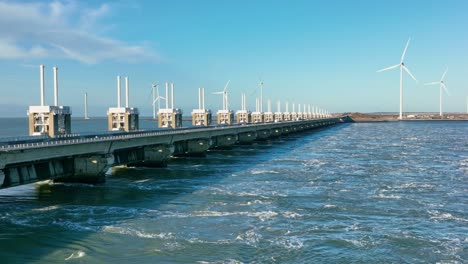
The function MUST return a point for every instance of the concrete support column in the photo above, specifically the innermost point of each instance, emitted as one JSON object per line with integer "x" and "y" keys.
{"x": 276, "y": 132}
{"x": 155, "y": 156}
{"x": 247, "y": 137}
{"x": 192, "y": 148}
{"x": 89, "y": 169}
{"x": 2, "y": 178}
{"x": 263, "y": 134}
{"x": 224, "y": 141}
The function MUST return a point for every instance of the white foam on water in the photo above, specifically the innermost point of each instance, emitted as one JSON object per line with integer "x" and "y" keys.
{"x": 261, "y": 215}
{"x": 253, "y": 202}
{"x": 47, "y": 208}
{"x": 250, "y": 237}
{"x": 76, "y": 255}
{"x": 355, "y": 242}
{"x": 313, "y": 163}
{"x": 391, "y": 196}
{"x": 289, "y": 242}
{"x": 329, "y": 206}
{"x": 212, "y": 214}
{"x": 291, "y": 214}
{"x": 264, "y": 215}
{"x": 217, "y": 242}
{"x": 226, "y": 261}
{"x": 141, "y": 181}
{"x": 135, "y": 232}
{"x": 169, "y": 246}
{"x": 439, "y": 216}
{"x": 258, "y": 171}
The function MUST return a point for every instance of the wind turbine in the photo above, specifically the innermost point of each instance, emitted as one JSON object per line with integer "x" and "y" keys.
{"x": 225, "y": 96}
{"x": 441, "y": 85}
{"x": 156, "y": 97}
{"x": 402, "y": 67}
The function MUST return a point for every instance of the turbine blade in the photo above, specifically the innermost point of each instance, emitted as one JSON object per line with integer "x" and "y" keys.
{"x": 443, "y": 75}
{"x": 445, "y": 88}
{"x": 222, "y": 92}
{"x": 432, "y": 83}
{"x": 225, "y": 87}
{"x": 404, "y": 51}
{"x": 406, "y": 69}
{"x": 389, "y": 68}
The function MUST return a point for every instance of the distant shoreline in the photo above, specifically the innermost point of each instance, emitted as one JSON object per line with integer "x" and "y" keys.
{"x": 364, "y": 117}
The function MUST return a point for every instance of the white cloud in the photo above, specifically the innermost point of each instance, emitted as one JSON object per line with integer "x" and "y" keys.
{"x": 61, "y": 29}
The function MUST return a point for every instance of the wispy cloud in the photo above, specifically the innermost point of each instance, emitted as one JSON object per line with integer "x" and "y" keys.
{"x": 62, "y": 29}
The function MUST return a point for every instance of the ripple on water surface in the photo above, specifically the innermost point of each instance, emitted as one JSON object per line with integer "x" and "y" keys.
{"x": 390, "y": 192}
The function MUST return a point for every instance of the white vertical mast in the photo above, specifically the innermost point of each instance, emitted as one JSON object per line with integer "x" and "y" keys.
{"x": 118, "y": 91}
{"x": 203, "y": 98}
{"x": 279, "y": 106}
{"x": 269, "y": 105}
{"x": 55, "y": 87}
{"x": 167, "y": 94}
{"x": 126, "y": 92}
{"x": 199, "y": 98}
{"x": 227, "y": 102}
{"x": 154, "y": 100}
{"x": 172, "y": 95}
{"x": 41, "y": 68}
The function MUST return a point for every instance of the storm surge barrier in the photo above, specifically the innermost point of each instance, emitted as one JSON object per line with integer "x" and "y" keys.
{"x": 86, "y": 158}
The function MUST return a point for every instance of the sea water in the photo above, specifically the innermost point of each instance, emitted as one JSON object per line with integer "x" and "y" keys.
{"x": 353, "y": 193}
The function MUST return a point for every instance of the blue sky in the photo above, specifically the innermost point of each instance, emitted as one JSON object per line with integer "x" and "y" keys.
{"x": 323, "y": 53}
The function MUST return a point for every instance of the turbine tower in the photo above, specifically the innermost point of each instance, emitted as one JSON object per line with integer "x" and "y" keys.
{"x": 156, "y": 98}
{"x": 402, "y": 67}
{"x": 441, "y": 86}
{"x": 225, "y": 96}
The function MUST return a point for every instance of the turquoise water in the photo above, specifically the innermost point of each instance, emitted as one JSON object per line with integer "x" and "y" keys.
{"x": 353, "y": 193}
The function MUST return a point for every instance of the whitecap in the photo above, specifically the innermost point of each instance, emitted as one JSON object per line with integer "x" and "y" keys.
{"x": 391, "y": 196}
{"x": 76, "y": 255}
{"x": 438, "y": 216}
{"x": 135, "y": 232}
{"x": 226, "y": 261}
{"x": 291, "y": 214}
{"x": 257, "y": 171}
{"x": 289, "y": 243}
{"x": 47, "y": 208}
{"x": 250, "y": 237}
{"x": 141, "y": 181}
{"x": 264, "y": 215}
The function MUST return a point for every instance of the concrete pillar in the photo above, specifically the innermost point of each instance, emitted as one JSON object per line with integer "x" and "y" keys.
{"x": 247, "y": 137}
{"x": 89, "y": 169}
{"x": 156, "y": 156}
{"x": 263, "y": 134}
{"x": 2, "y": 178}
{"x": 192, "y": 148}
{"x": 224, "y": 141}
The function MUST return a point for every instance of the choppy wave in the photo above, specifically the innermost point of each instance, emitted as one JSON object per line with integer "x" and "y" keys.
{"x": 363, "y": 193}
